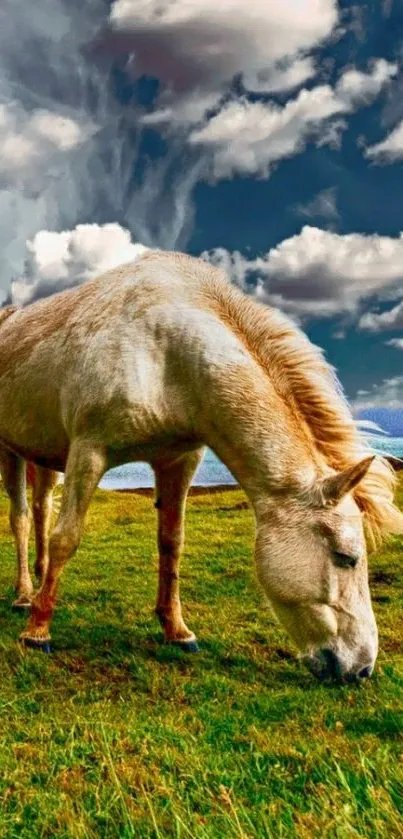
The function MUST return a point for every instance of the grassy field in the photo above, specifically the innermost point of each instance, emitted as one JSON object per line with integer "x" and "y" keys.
{"x": 117, "y": 735}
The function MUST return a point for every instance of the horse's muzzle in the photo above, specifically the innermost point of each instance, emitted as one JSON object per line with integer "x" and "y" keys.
{"x": 326, "y": 666}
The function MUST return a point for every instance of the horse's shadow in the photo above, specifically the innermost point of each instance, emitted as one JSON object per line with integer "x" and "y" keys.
{"x": 125, "y": 652}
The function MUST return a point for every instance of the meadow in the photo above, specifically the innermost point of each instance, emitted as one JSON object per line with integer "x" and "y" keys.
{"x": 118, "y": 735}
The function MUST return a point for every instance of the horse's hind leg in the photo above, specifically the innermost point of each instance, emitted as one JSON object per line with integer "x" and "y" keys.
{"x": 85, "y": 466}
{"x": 13, "y": 470}
{"x": 42, "y": 496}
{"x": 172, "y": 484}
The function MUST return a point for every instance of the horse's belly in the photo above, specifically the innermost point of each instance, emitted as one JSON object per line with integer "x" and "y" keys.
{"x": 30, "y": 425}
{"x": 40, "y": 455}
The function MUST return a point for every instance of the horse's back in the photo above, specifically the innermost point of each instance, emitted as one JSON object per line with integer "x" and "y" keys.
{"x": 127, "y": 358}
{"x": 128, "y": 321}
{"x": 152, "y": 279}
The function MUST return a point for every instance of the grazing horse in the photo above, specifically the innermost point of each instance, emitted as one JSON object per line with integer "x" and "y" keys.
{"x": 158, "y": 358}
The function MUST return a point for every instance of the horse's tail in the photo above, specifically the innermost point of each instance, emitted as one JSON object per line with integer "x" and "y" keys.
{"x": 31, "y": 478}
{"x": 31, "y": 474}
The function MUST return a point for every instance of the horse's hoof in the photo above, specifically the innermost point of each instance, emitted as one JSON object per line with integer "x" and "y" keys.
{"x": 21, "y": 605}
{"x": 34, "y": 644}
{"x": 188, "y": 646}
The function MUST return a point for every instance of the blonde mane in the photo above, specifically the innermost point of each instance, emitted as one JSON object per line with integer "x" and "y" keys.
{"x": 309, "y": 385}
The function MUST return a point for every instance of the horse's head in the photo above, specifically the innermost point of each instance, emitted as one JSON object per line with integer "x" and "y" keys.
{"x": 312, "y": 562}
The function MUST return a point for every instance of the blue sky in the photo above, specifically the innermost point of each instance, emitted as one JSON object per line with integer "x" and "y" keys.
{"x": 266, "y": 136}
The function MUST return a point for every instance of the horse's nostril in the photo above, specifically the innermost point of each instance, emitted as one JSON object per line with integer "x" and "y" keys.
{"x": 365, "y": 672}
{"x": 332, "y": 666}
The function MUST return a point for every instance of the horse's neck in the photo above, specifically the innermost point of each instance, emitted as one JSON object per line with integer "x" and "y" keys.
{"x": 260, "y": 438}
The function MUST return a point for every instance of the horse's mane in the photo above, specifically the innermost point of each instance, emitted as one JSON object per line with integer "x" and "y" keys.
{"x": 308, "y": 383}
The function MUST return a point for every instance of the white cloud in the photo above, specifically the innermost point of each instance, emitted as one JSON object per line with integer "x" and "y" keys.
{"x": 318, "y": 273}
{"x": 204, "y": 43}
{"x": 388, "y": 394}
{"x": 184, "y": 110}
{"x": 390, "y": 149}
{"x": 323, "y": 205}
{"x": 281, "y": 78}
{"x": 63, "y": 132}
{"x": 366, "y": 261}
{"x": 196, "y": 48}
{"x": 360, "y": 88}
{"x": 370, "y": 427}
{"x": 331, "y": 134}
{"x": 249, "y": 137}
{"x": 28, "y": 138}
{"x": 395, "y": 342}
{"x": 383, "y": 321}
{"x": 56, "y": 261}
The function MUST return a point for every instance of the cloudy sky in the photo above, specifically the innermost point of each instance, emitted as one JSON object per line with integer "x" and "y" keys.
{"x": 265, "y": 135}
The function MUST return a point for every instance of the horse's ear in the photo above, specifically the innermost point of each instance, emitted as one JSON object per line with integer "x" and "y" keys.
{"x": 333, "y": 489}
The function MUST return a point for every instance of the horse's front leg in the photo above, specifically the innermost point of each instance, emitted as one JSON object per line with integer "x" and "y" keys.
{"x": 13, "y": 471}
{"x": 85, "y": 466}
{"x": 44, "y": 483}
{"x": 172, "y": 484}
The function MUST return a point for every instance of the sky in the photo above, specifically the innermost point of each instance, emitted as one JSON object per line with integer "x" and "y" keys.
{"x": 265, "y": 136}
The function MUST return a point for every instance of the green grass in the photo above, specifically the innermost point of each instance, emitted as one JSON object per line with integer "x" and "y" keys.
{"x": 117, "y": 735}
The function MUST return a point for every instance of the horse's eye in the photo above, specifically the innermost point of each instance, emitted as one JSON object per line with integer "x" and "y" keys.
{"x": 345, "y": 561}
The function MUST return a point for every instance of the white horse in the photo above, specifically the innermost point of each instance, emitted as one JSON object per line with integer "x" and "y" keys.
{"x": 154, "y": 360}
